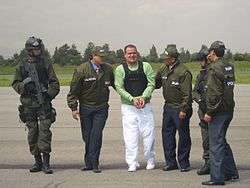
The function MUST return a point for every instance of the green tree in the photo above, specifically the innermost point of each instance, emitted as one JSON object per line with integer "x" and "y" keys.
{"x": 239, "y": 57}
{"x": 120, "y": 56}
{"x": 66, "y": 55}
{"x": 110, "y": 56}
{"x": 153, "y": 55}
{"x": 182, "y": 55}
{"x": 88, "y": 52}
{"x": 194, "y": 57}
{"x": 188, "y": 56}
{"x": 247, "y": 56}
{"x": 75, "y": 55}
{"x": 228, "y": 56}
{"x": 2, "y": 60}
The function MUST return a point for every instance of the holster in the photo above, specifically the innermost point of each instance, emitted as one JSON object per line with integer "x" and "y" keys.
{"x": 22, "y": 114}
{"x": 53, "y": 115}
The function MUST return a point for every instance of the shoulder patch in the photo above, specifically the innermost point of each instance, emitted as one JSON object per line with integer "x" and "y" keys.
{"x": 228, "y": 68}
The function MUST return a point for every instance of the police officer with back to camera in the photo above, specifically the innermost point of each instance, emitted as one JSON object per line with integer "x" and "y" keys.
{"x": 37, "y": 84}
{"x": 176, "y": 82}
{"x": 219, "y": 113}
{"x": 199, "y": 96}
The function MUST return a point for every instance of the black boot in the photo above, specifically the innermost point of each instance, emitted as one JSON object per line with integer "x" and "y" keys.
{"x": 46, "y": 166}
{"x": 96, "y": 169}
{"x": 205, "y": 169}
{"x": 37, "y": 166}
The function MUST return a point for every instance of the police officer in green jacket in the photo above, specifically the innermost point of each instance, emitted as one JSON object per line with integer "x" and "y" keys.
{"x": 176, "y": 82}
{"x": 88, "y": 99}
{"x": 219, "y": 113}
{"x": 199, "y": 96}
{"x": 37, "y": 88}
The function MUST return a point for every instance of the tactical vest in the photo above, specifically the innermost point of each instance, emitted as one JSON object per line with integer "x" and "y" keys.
{"x": 42, "y": 72}
{"x": 202, "y": 83}
{"x": 135, "y": 82}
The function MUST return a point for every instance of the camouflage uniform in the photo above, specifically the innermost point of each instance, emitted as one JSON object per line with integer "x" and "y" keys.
{"x": 199, "y": 96}
{"x": 38, "y": 119}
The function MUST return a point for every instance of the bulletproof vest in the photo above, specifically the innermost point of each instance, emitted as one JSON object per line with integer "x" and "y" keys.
{"x": 202, "y": 81}
{"x": 42, "y": 72}
{"x": 202, "y": 89}
{"x": 135, "y": 82}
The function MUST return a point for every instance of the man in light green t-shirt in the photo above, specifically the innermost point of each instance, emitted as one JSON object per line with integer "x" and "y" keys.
{"x": 135, "y": 82}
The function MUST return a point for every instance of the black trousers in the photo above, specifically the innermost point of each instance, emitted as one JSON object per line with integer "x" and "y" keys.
{"x": 171, "y": 123}
{"x": 92, "y": 123}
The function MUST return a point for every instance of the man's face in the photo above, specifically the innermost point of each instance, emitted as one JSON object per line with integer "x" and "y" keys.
{"x": 131, "y": 55}
{"x": 169, "y": 60}
{"x": 36, "y": 52}
{"x": 98, "y": 59}
{"x": 211, "y": 56}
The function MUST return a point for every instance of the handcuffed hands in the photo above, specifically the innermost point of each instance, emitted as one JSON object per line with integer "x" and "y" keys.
{"x": 207, "y": 118}
{"x": 139, "y": 102}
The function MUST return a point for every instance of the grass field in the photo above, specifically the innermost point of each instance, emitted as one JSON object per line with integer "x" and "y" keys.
{"x": 65, "y": 73}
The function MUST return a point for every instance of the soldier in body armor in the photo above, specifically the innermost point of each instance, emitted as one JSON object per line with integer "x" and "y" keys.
{"x": 199, "y": 96}
{"x": 37, "y": 84}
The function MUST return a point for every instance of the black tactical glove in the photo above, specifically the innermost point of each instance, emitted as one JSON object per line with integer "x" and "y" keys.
{"x": 29, "y": 86}
{"x": 47, "y": 97}
{"x": 27, "y": 80}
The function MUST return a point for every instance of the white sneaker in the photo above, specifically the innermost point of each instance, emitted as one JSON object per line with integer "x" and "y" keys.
{"x": 133, "y": 167}
{"x": 137, "y": 165}
{"x": 150, "y": 165}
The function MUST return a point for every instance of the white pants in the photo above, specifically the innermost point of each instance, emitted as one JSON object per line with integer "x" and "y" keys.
{"x": 138, "y": 123}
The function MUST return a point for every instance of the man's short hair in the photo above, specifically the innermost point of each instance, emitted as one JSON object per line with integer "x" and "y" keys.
{"x": 129, "y": 46}
{"x": 219, "y": 52}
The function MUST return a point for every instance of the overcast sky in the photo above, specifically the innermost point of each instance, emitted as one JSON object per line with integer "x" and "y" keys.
{"x": 188, "y": 23}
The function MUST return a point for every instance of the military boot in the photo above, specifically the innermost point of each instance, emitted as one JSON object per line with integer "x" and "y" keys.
{"x": 205, "y": 169}
{"x": 37, "y": 166}
{"x": 46, "y": 165}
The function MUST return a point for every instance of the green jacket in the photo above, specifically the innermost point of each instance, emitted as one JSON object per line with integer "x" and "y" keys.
{"x": 47, "y": 78}
{"x": 220, "y": 86}
{"x": 89, "y": 88}
{"x": 177, "y": 86}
